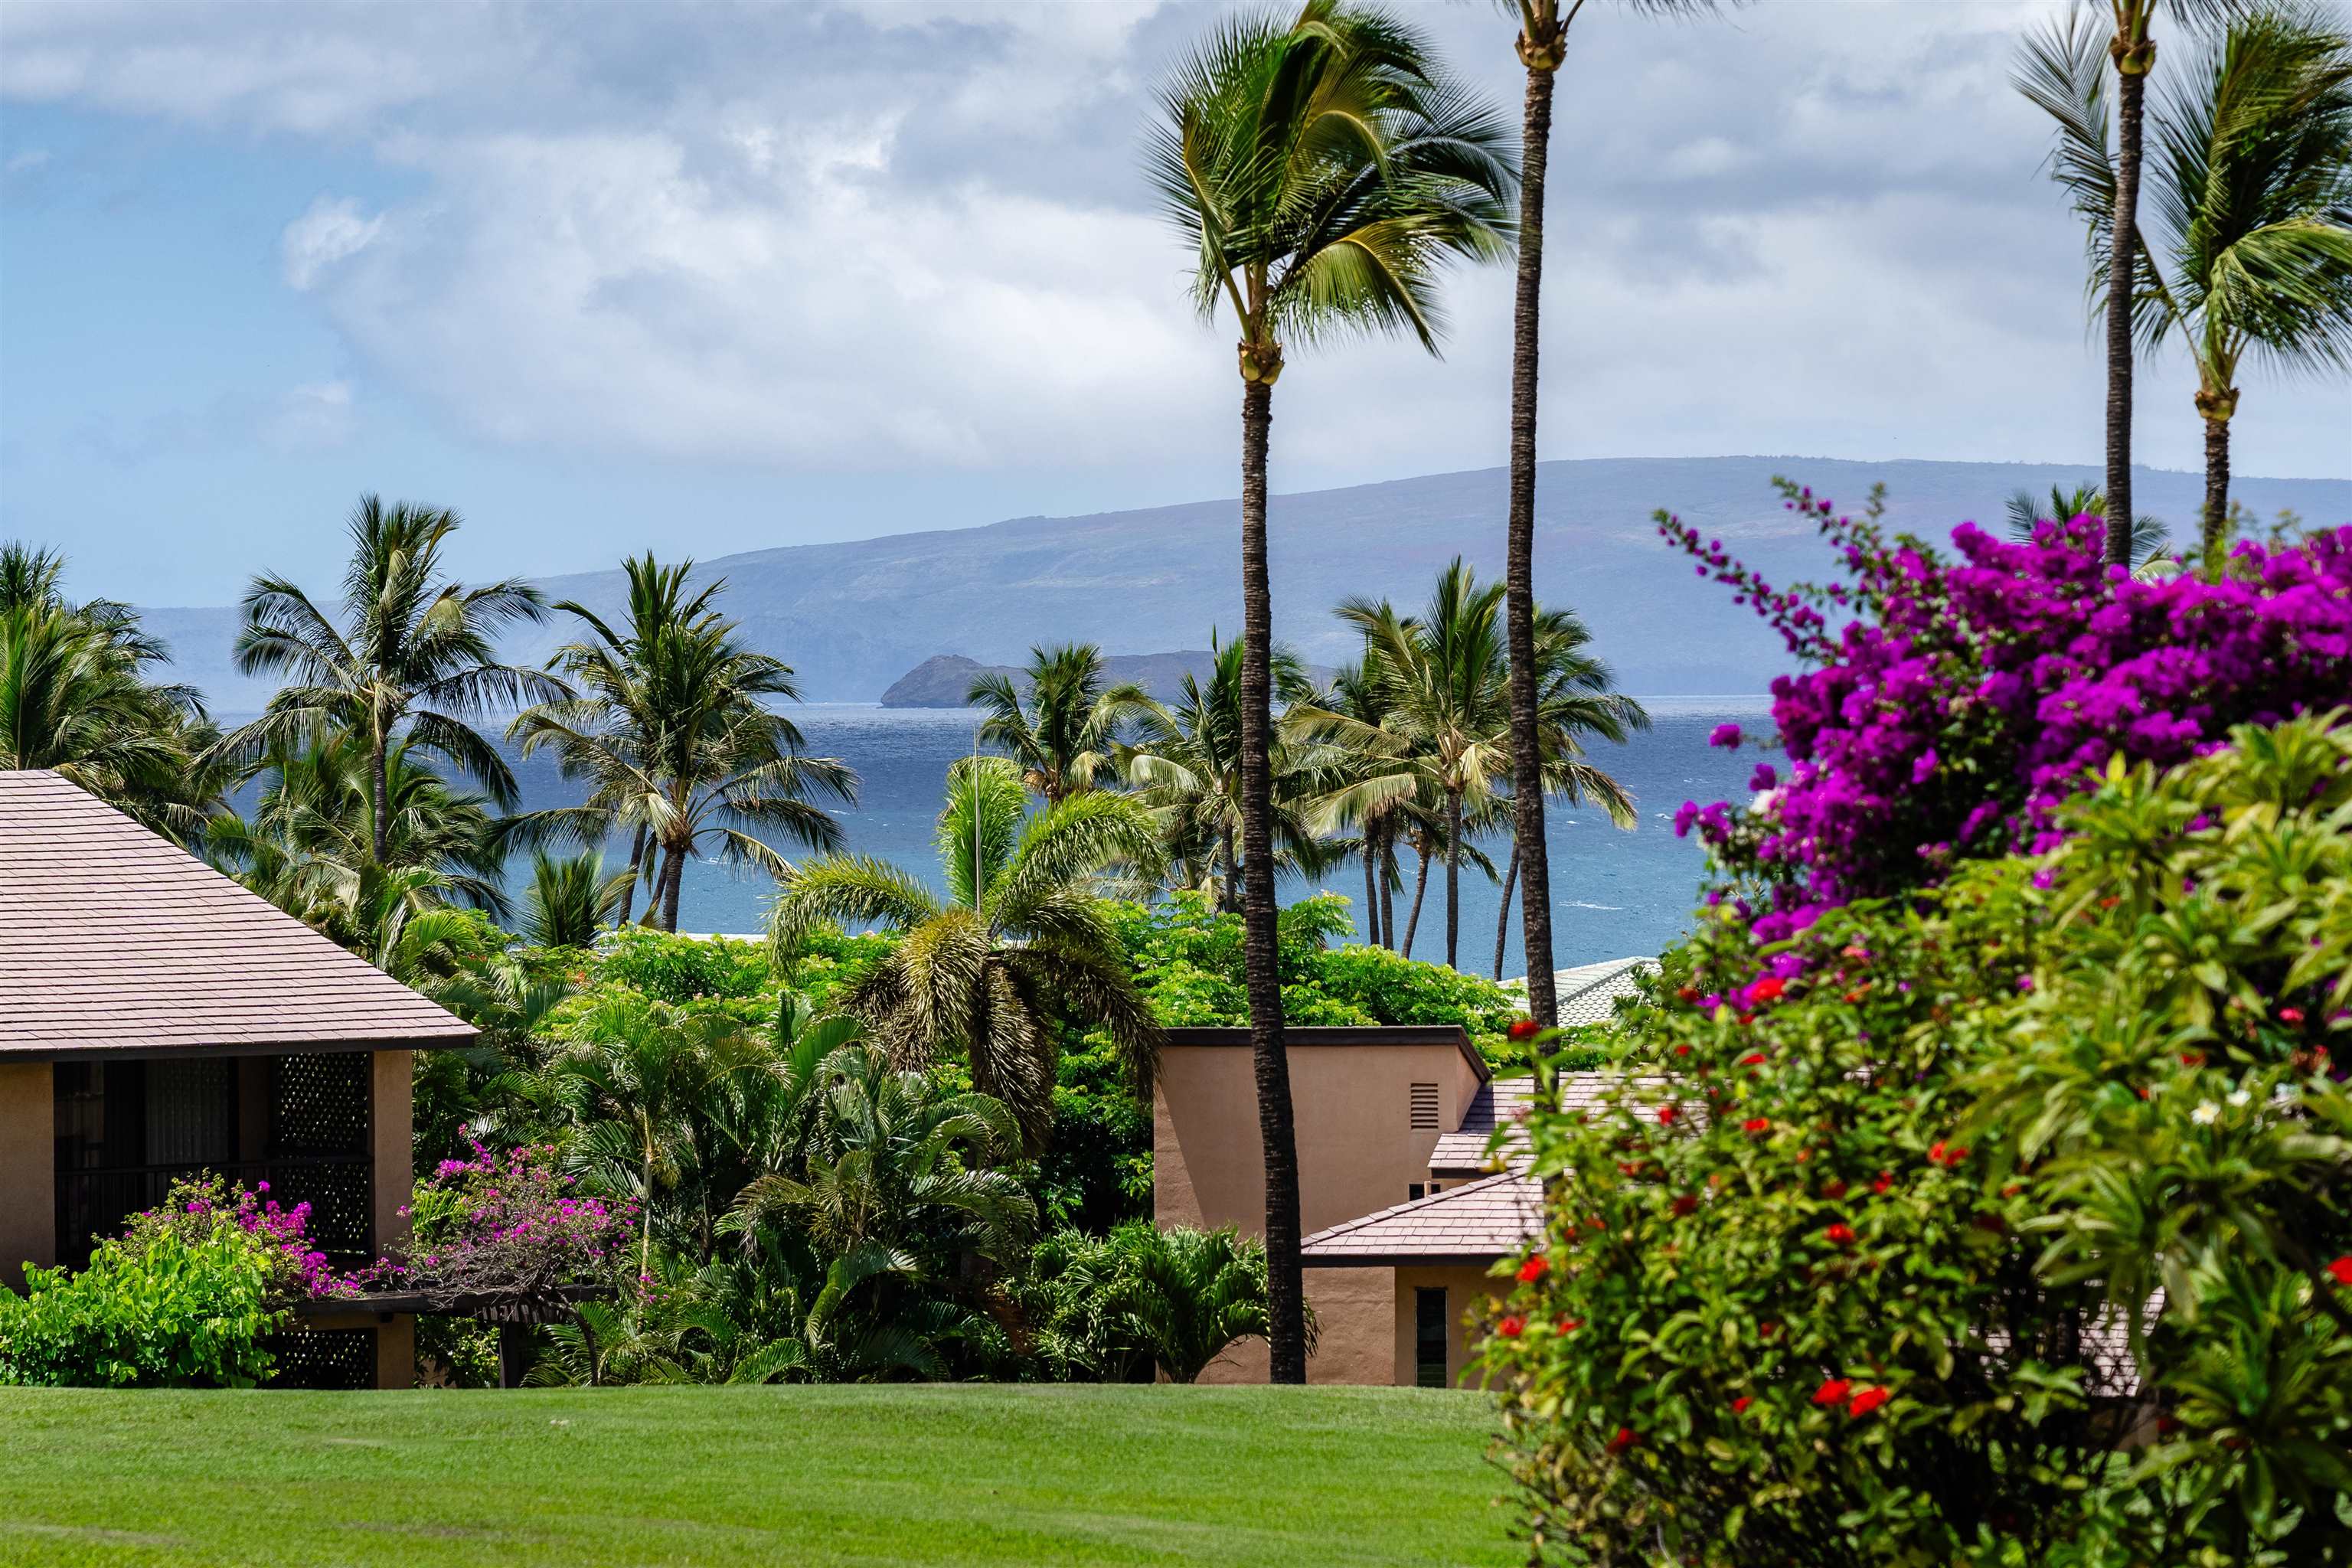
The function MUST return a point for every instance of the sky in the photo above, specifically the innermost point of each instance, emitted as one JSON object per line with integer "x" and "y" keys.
{"x": 718, "y": 278}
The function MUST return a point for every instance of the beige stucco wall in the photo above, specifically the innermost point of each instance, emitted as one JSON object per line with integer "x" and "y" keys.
{"x": 1350, "y": 1105}
{"x": 1352, "y": 1308}
{"x": 28, "y": 1211}
{"x": 395, "y": 1147}
{"x": 1464, "y": 1286}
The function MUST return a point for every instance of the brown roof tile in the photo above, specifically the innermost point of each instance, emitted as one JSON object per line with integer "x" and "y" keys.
{"x": 114, "y": 938}
{"x": 1477, "y": 1222}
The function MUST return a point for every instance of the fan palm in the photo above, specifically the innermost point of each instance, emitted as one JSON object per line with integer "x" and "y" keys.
{"x": 1542, "y": 46}
{"x": 1020, "y": 943}
{"x": 671, "y": 733}
{"x": 416, "y": 655}
{"x": 1185, "y": 763}
{"x": 76, "y": 696}
{"x": 2149, "y": 536}
{"x": 1322, "y": 175}
{"x": 2061, "y": 72}
{"x": 1066, "y": 732}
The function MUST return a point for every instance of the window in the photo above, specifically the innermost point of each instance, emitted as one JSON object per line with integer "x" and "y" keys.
{"x": 1413, "y": 1192}
{"x": 1424, "y": 1107}
{"x": 1429, "y": 1335}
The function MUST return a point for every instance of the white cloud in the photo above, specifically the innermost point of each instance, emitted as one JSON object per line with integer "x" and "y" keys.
{"x": 313, "y": 417}
{"x": 331, "y": 230}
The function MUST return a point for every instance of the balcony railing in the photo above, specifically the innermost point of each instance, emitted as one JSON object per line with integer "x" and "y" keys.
{"x": 337, "y": 1187}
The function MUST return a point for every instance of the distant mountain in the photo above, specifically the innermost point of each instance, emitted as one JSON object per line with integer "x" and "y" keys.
{"x": 853, "y": 618}
{"x": 943, "y": 680}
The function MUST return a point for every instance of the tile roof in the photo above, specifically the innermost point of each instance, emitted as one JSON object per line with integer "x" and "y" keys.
{"x": 1588, "y": 992}
{"x": 1463, "y": 1153}
{"x": 113, "y": 938}
{"x": 1477, "y": 1222}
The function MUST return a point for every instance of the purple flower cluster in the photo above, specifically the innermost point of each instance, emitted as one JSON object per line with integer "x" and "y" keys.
{"x": 302, "y": 1270}
{"x": 512, "y": 1221}
{"x": 1968, "y": 697}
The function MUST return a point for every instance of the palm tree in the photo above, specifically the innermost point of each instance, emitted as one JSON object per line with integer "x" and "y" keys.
{"x": 2051, "y": 75}
{"x": 569, "y": 899}
{"x": 1020, "y": 943}
{"x": 416, "y": 655}
{"x": 672, "y": 733}
{"x": 1321, "y": 174}
{"x": 309, "y": 843}
{"x": 2149, "y": 536}
{"x": 76, "y": 695}
{"x": 1066, "y": 733}
{"x": 1542, "y": 46}
{"x": 1185, "y": 763}
{"x": 1578, "y": 700}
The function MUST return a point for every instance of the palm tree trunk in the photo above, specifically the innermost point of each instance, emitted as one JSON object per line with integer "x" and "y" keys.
{"x": 2217, "y": 492}
{"x": 645, "y": 1216}
{"x": 379, "y": 792}
{"x": 2131, "y": 86}
{"x": 636, "y": 860}
{"x": 1528, "y": 843}
{"x": 1388, "y": 890}
{"x": 1419, "y": 886}
{"x": 1453, "y": 878}
{"x": 1503, "y": 921}
{"x": 1229, "y": 886}
{"x": 1371, "y": 855}
{"x": 1286, "y": 1299}
{"x": 674, "y": 874}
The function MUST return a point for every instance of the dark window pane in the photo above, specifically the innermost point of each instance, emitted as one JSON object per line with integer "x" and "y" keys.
{"x": 1429, "y": 1327}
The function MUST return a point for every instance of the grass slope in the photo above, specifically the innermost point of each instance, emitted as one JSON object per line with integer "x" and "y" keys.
{"x": 936, "y": 1476}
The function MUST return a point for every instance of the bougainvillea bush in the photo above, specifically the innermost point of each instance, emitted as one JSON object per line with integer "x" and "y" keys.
{"x": 186, "y": 1296}
{"x": 513, "y": 1224}
{"x": 2014, "y": 1226}
{"x": 1969, "y": 692}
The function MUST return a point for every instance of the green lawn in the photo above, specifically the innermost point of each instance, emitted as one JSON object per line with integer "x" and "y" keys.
{"x": 786, "y": 1476}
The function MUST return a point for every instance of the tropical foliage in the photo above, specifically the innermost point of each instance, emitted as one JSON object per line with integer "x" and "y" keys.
{"x": 78, "y": 695}
{"x": 1064, "y": 732}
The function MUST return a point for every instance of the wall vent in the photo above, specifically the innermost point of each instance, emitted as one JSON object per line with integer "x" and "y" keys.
{"x": 1424, "y": 1107}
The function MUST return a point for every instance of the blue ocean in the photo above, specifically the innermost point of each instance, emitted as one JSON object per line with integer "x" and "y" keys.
{"x": 1614, "y": 893}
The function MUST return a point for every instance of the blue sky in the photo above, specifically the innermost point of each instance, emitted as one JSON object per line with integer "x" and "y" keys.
{"x": 723, "y": 277}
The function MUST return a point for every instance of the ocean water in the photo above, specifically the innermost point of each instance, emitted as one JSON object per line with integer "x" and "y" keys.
{"x": 1614, "y": 893}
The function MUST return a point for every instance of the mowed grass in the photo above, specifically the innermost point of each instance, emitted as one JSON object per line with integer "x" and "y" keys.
{"x": 794, "y": 1476}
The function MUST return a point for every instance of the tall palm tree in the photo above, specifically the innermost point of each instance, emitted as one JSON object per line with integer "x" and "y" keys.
{"x": 2114, "y": 223}
{"x": 1578, "y": 702}
{"x": 77, "y": 695}
{"x": 1185, "y": 763}
{"x": 415, "y": 656}
{"x": 671, "y": 732}
{"x": 1066, "y": 732}
{"x": 1021, "y": 942}
{"x": 1322, "y": 175}
{"x": 1542, "y": 46}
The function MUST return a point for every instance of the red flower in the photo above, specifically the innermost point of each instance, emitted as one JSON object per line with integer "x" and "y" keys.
{"x": 1854, "y": 994}
{"x": 1533, "y": 1268}
{"x": 1752, "y": 1059}
{"x": 1839, "y": 1233}
{"x": 1686, "y": 1205}
{"x": 1523, "y": 1029}
{"x": 1771, "y": 988}
{"x": 1512, "y": 1327}
{"x": 1885, "y": 1180}
{"x": 1569, "y": 1325}
{"x": 1682, "y": 1050}
{"x": 1756, "y": 1125}
{"x": 1688, "y": 993}
{"x": 2342, "y": 1270}
{"x": 1666, "y": 1116}
{"x": 1833, "y": 1190}
{"x": 1935, "y": 1152}
{"x": 2290, "y": 1014}
{"x": 1623, "y": 1441}
{"x": 1739, "y": 1406}
{"x": 1765, "y": 1330}
{"x": 1833, "y": 1391}
{"x": 1868, "y": 1400}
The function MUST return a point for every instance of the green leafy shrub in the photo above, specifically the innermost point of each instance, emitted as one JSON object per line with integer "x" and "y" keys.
{"x": 1863, "y": 1268}
{"x": 682, "y": 968}
{"x": 181, "y": 1305}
